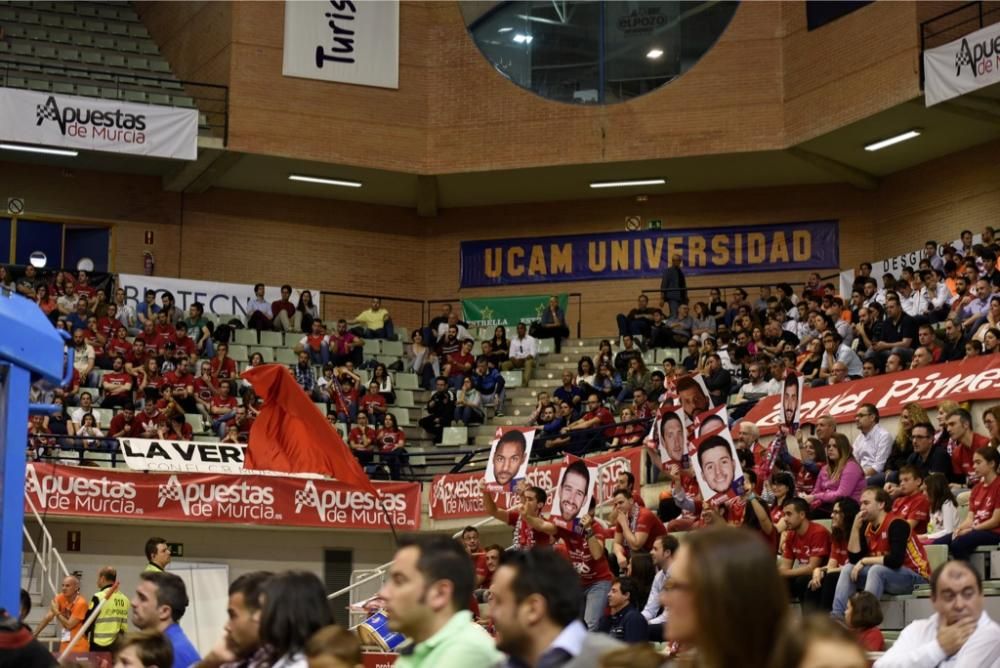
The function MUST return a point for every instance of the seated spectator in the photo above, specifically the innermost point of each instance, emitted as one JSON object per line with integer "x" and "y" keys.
{"x": 638, "y": 321}
{"x": 841, "y": 476}
{"x": 344, "y": 399}
{"x": 982, "y": 525}
{"x": 199, "y": 328}
{"x": 629, "y": 433}
{"x": 692, "y": 360}
{"x": 542, "y": 400}
{"x": 806, "y": 547}
{"x": 927, "y": 456}
{"x": 490, "y": 384}
{"x": 459, "y": 364}
{"x": 962, "y": 445}
{"x": 222, "y": 409}
{"x": 552, "y": 325}
{"x": 84, "y": 358}
{"x": 943, "y": 518}
{"x": 873, "y": 444}
{"x": 624, "y": 621}
{"x": 284, "y": 314}
{"x": 316, "y": 344}
{"x": 461, "y": 329}
{"x": 590, "y": 439}
{"x": 623, "y": 359}
{"x": 835, "y": 350}
{"x": 635, "y": 527}
{"x": 909, "y": 501}
{"x": 181, "y": 384}
{"x": 430, "y": 333}
{"x": 636, "y": 378}
{"x": 569, "y": 392}
{"x": 381, "y": 376}
{"x": 176, "y": 428}
{"x": 672, "y": 332}
{"x": 391, "y": 442}
{"x": 717, "y": 379}
{"x": 522, "y": 352}
{"x": 293, "y": 608}
{"x": 863, "y": 615}
{"x": 468, "y": 403}
{"x": 757, "y": 387}
{"x": 899, "y": 331}
{"x": 223, "y": 366}
{"x": 362, "y": 439}
{"x": 373, "y": 404}
{"x": 259, "y": 311}
{"x": 86, "y": 408}
{"x": 440, "y": 410}
{"x": 374, "y": 322}
{"x": 422, "y": 360}
{"x": 890, "y": 559}
{"x": 117, "y": 385}
{"x": 960, "y": 632}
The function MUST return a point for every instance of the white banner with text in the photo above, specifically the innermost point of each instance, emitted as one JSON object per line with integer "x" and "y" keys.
{"x": 961, "y": 66}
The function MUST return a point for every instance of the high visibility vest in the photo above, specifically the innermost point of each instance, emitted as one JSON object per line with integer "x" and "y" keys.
{"x": 152, "y": 568}
{"x": 111, "y": 621}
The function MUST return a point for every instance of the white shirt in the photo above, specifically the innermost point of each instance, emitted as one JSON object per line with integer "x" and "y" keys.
{"x": 76, "y": 415}
{"x": 917, "y": 647}
{"x": 523, "y": 348}
{"x": 943, "y": 522}
{"x": 872, "y": 449}
{"x": 912, "y": 305}
{"x": 463, "y": 333}
{"x": 764, "y": 388}
{"x": 940, "y": 296}
{"x": 653, "y": 602}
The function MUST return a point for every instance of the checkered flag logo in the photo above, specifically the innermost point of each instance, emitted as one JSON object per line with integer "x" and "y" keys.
{"x": 963, "y": 58}
{"x": 307, "y": 496}
{"x": 172, "y": 491}
{"x": 48, "y": 112}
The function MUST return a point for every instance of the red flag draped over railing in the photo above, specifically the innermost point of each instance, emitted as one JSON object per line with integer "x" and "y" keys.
{"x": 291, "y": 436}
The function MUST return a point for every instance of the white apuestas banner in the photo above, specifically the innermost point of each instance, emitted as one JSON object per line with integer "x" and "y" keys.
{"x": 216, "y": 297}
{"x": 350, "y": 41}
{"x": 30, "y": 117}
{"x": 961, "y": 66}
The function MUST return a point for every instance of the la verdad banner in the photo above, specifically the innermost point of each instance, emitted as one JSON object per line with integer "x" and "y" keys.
{"x": 217, "y": 297}
{"x": 508, "y": 311}
{"x": 973, "y": 379}
{"x": 247, "y": 499}
{"x": 617, "y": 255}
{"x": 456, "y": 495}
{"x": 98, "y": 125}
{"x": 166, "y": 456}
{"x": 963, "y": 65}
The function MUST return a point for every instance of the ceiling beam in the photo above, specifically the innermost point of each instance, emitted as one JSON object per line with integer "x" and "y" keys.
{"x": 976, "y": 107}
{"x": 427, "y": 196}
{"x": 839, "y": 170}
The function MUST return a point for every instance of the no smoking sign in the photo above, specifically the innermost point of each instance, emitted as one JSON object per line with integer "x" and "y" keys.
{"x": 15, "y": 206}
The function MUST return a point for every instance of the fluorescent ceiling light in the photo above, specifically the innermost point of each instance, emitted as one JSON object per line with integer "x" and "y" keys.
{"x": 39, "y": 149}
{"x": 876, "y": 146}
{"x": 328, "y": 182}
{"x": 626, "y": 184}
{"x": 654, "y": 54}
{"x": 523, "y": 39}
{"x": 508, "y": 29}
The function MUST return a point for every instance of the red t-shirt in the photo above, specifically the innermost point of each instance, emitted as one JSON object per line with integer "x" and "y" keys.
{"x": 142, "y": 422}
{"x": 341, "y": 344}
{"x": 202, "y": 389}
{"x": 646, "y": 521}
{"x": 224, "y": 368}
{"x": 814, "y": 543}
{"x": 804, "y": 480}
{"x": 346, "y": 398}
{"x": 116, "y": 379}
{"x": 388, "y": 440}
{"x": 107, "y": 326}
{"x": 871, "y": 639}
{"x": 187, "y": 433}
{"x": 178, "y": 382}
{"x": 629, "y": 434}
{"x": 119, "y": 423}
{"x": 589, "y": 569}
{"x": 917, "y": 507}
{"x": 604, "y": 417}
{"x": 150, "y": 342}
{"x": 984, "y": 501}
{"x": 838, "y": 551}
{"x": 314, "y": 342}
{"x": 458, "y": 362}
{"x": 186, "y": 344}
{"x": 134, "y": 358}
{"x": 370, "y": 400}
{"x": 356, "y": 435}
{"x": 166, "y": 332}
{"x": 525, "y": 537}
{"x": 118, "y": 347}
{"x": 282, "y": 305}
{"x": 217, "y": 401}
{"x": 915, "y": 557}
{"x": 961, "y": 456}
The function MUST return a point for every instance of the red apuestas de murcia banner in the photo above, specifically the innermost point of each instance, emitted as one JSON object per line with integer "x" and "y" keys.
{"x": 456, "y": 495}
{"x": 975, "y": 379}
{"x": 227, "y": 499}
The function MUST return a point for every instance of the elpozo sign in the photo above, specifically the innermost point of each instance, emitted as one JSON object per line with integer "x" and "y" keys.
{"x": 349, "y": 41}
{"x": 98, "y": 125}
{"x": 961, "y": 66}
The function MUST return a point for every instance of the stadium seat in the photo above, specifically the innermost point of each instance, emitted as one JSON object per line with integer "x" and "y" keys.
{"x": 285, "y": 356}
{"x": 246, "y": 337}
{"x": 265, "y": 351}
{"x": 225, "y": 318}
{"x": 406, "y": 381}
{"x": 372, "y": 348}
{"x": 239, "y": 352}
{"x": 402, "y": 416}
{"x": 196, "y": 421}
{"x": 273, "y": 339}
{"x": 392, "y": 348}
{"x": 455, "y": 436}
{"x": 513, "y": 378}
{"x": 545, "y": 346}
{"x": 404, "y": 398}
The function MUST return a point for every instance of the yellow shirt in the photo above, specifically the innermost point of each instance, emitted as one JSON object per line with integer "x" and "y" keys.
{"x": 370, "y": 319}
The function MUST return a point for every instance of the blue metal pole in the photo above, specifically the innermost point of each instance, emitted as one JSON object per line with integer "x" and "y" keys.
{"x": 15, "y": 384}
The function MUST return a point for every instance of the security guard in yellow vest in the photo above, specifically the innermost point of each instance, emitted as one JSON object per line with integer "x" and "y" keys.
{"x": 112, "y": 620}
{"x": 157, "y": 554}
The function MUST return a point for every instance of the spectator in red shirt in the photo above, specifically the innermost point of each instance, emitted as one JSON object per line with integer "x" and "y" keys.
{"x": 83, "y": 286}
{"x": 222, "y": 408}
{"x": 982, "y": 525}
{"x": 118, "y": 345}
{"x": 108, "y": 324}
{"x": 373, "y": 404}
{"x": 458, "y": 365}
{"x": 526, "y": 534}
{"x": 284, "y": 315}
{"x": 176, "y": 429}
{"x": 806, "y": 547}
{"x": 149, "y": 338}
{"x": 316, "y": 344}
{"x": 635, "y": 527}
{"x": 181, "y": 384}
{"x": 117, "y": 385}
{"x": 149, "y": 379}
{"x": 204, "y": 389}
{"x": 628, "y": 435}
{"x": 223, "y": 368}
{"x": 962, "y": 443}
{"x": 590, "y": 439}
{"x": 391, "y": 442}
{"x": 147, "y": 422}
{"x": 184, "y": 344}
{"x": 345, "y": 347}
{"x": 121, "y": 423}
{"x": 863, "y": 615}
{"x": 362, "y": 440}
{"x": 910, "y": 502}
{"x": 164, "y": 329}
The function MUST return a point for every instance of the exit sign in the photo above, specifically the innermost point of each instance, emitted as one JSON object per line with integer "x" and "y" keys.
{"x": 176, "y": 549}
{"x": 655, "y": 224}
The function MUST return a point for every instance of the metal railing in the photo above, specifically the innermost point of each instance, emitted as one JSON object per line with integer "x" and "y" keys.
{"x": 211, "y": 100}
{"x": 46, "y": 556}
{"x": 955, "y": 23}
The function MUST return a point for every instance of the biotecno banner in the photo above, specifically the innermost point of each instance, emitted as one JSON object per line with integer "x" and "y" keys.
{"x": 350, "y": 41}
{"x": 976, "y": 379}
{"x": 958, "y": 67}
{"x": 225, "y": 499}
{"x": 91, "y": 124}
{"x": 216, "y": 297}
{"x": 456, "y": 495}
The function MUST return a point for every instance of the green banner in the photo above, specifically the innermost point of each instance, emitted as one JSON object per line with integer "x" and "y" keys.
{"x": 508, "y": 311}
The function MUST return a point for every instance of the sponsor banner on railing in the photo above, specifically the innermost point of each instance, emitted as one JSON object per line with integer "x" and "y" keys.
{"x": 456, "y": 495}
{"x": 351, "y": 41}
{"x": 217, "y": 297}
{"x": 248, "y": 499}
{"x": 165, "y": 456}
{"x": 618, "y": 255}
{"x": 91, "y": 124}
{"x": 961, "y": 66}
{"x": 975, "y": 379}
{"x": 508, "y": 311}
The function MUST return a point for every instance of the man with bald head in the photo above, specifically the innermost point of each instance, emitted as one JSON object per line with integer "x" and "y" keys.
{"x": 959, "y": 633}
{"x": 68, "y": 609}
{"x": 922, "y": 357}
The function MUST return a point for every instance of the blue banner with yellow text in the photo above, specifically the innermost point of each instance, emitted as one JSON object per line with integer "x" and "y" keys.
{"x": 620, "y": 255}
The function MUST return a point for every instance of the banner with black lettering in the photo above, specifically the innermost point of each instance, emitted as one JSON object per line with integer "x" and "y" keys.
{"x": 350, "y": 41}
{"x": 30, "y": 117}
{"x": 620, "y": 255}
{"x": 964, "y": 65}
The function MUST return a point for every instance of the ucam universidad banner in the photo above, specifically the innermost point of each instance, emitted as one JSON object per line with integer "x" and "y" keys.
{"x": 248, "y": 499}
{"x": 350, "y": 41}
{"x": 217, "y": 297}
{"x": 92, "y": 124}
{"x": 618, "y": 255}
{"x": 508, "y": 311}
{"x": 975, "y": 379}
{"x": 961, "y": 66}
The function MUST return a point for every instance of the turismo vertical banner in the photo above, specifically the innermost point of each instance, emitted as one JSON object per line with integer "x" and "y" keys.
{"x": 963, "y": 65}
{"x": 619, "y": 255}
{"x": 350, "y": 41}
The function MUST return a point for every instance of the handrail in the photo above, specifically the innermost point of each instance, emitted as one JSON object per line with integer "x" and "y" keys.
{"x": 47, "y": 552}
{"x": 979, "y": 20}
